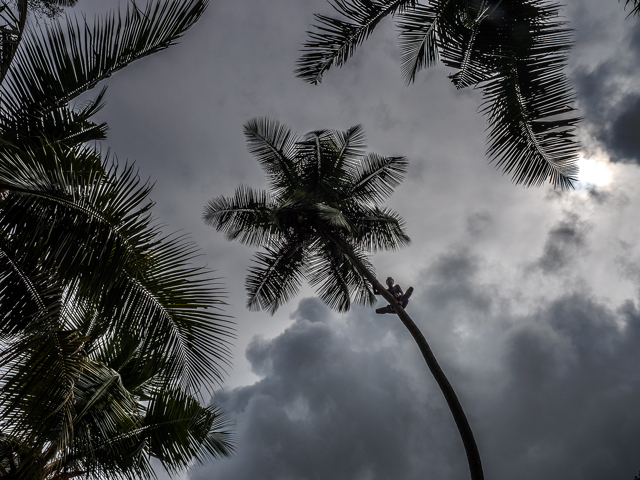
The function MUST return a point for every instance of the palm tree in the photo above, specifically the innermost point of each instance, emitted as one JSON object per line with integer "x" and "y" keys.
{"x": 109, "y": 335}
{"x": 515, "y": 51}
{"x": 318, "y": 222}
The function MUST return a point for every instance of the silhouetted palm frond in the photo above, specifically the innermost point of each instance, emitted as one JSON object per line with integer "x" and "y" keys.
{"x": 635, "y": 7}
{"x": 514, "y": 50}
{"x": 58, "y": 61}
{"x": 337, "y": 40}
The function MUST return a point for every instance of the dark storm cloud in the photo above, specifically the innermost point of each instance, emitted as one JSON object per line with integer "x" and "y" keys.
{"x": 570, "y": 405}
{"x": 608, "y": 96}
{"x": 348, "y": 398}
{"x": 331, "y": 406}
{"x": 625, "y": 131}
{"x": 564, "y": 243}
{"x": 451, "y": 283}
{"x": 478, "y": 223}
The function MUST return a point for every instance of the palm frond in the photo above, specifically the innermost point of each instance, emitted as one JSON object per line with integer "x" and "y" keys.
{"x": 528, "y": 100}
{"x": 334, "y": 217}
{"x": 350, "y": 145}
{"x": 635, "y": 9}
{"x": 38, "y": 401}
{"x": 126, "y": 266}
{"x": 377, "y": 229}
{"x": 273, "y": 145}
{"x": 376, "y": 177}
{"x": 464, "y": 38}
{"x": 180, "y": 431}
{"x": 77, "y": 204}
{"x": 246, "y": 217}
{"x": 336, "y": 40}
{"x": 318, "y": 162}
{"x": 276, "y": 276}
{"x": 175, "y": 311}
{"x": 336, "y": 279}
{"x": 418, "y": 38}
{"x": 23, "y": 297}
{"x": 515, "y": 50}
{"x": 56, "y": 63}
{"x": 61, "y": 126}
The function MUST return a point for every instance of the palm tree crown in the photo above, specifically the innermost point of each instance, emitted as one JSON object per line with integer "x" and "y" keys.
{"x": 322, "y": 185}
{"x": 514, "y": 50}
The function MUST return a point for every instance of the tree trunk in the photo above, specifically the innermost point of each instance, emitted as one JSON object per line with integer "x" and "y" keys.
{"x": 471, "y": 449}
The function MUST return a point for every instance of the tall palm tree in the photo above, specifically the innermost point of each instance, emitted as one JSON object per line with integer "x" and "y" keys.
{"x": 515, "y": 51}
{"x": 109, "y": 335}
{"x": 318, "y": 222}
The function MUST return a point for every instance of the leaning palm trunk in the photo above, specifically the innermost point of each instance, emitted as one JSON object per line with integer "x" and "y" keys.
{"x": 471, "y": 449}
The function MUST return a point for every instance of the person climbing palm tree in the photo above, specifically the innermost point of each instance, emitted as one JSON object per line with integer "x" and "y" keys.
{"x": 320, "y": 219}
{"x": 395, "y": 290}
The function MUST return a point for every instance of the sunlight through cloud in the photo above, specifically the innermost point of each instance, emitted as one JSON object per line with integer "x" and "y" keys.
{"x": 594, "y": 172}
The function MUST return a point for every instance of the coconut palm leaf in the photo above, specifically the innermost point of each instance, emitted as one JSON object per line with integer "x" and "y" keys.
{"x": 376, "y": 177}
{"x": 635, "y": 8}
{"x": 179, "y": 431}
{"x": 276, "y": 275}
{"x": 101, "y": 312}
{"x": 332, "y": 272}
{"x": 349, "y": 145}
{"x": 128, "y": 287}
{"x": 377, "y": 229}
{"x": 272, "y": 145}
{"x": 57, "y": 62}
{"x": 62, "y": 126}
{"x": 247, "y": 207}
{"x": 418, "y": 36}
{"x": 514, "y": 50}
{"x": 527, "y": 96}
{"x": 337, "y": 39}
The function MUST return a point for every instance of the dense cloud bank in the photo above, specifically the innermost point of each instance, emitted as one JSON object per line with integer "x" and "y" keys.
{"x": 551, "y": 393}
{"x": 607, "y": 86}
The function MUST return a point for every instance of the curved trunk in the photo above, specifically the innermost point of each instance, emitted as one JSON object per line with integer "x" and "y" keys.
{"x": 471, "y": 449}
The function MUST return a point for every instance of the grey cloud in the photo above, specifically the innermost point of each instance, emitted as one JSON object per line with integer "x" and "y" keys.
{"x": 564, "y": 243}
{"x": 563, "y": 405}
{"x": 625, "y": 131}
{"x": 327, "y": 408}
{"x": 478, "y": 223}
{"x": 451, "y": 282}
{"x": 608, "y": 96}
{"x": 572, "y": 391}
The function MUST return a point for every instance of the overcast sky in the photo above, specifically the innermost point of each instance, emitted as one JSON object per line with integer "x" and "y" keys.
{"x": 528, "y": 297}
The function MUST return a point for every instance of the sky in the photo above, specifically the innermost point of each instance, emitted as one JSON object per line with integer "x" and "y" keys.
{"x": 529, "y": 297}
